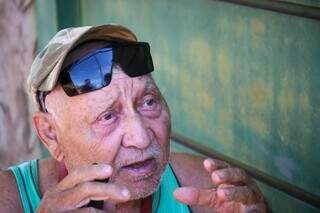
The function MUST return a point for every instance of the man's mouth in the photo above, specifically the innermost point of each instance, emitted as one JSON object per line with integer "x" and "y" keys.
{"x": 139, "y": 170}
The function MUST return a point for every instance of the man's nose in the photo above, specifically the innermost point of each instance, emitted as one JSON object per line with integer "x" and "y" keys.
{"x": 136, "y": 133}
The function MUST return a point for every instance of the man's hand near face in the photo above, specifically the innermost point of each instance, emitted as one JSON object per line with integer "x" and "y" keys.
{"x": 79, "y": 187}
{"x": 225, "y": 189}
{"x": 230, "y": 189}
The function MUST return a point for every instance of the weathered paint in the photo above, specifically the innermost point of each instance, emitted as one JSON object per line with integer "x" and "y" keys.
{"x": 241, "y": 80}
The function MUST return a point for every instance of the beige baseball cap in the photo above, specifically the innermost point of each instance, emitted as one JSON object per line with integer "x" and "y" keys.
{"x": 47, "y": 65}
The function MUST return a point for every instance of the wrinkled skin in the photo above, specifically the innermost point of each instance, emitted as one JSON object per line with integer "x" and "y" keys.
{"x": 231, "y": 191}
{"x": 125, "y": 122}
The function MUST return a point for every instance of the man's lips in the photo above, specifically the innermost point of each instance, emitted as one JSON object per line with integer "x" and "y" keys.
{"x": 138, "y": 164}
{"x": 140, "y": 169}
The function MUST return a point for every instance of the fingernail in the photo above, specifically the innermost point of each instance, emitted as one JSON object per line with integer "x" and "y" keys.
{"x": 221, "y": 175}
{"x": 107, "y": 168}
{"x": 211, "y": 161}
{"x": 207, "y": 163}
{"x": 227, "y": 192}
{"x": 125, "y": 192}
{"x": 215, "y": 177}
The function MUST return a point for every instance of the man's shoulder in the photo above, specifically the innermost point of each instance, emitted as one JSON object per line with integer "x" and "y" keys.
{"x": 189, "y": 170}
{"x": 9, "y": 199}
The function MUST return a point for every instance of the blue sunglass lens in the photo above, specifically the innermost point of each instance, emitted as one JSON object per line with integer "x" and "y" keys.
{"x": 93, "y": 72}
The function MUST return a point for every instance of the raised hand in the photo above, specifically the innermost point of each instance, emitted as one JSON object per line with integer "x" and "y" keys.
{"x": 234, "y": 191}
{"x": 78, "y": 188}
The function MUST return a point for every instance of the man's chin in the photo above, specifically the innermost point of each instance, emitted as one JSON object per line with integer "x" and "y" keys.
{"x": 141, "y": 187}
{"x": 138, "y": 192}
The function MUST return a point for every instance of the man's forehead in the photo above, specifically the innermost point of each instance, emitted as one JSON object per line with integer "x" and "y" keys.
{"x": 107, "y": 95}
{"x": 119, "y": 77}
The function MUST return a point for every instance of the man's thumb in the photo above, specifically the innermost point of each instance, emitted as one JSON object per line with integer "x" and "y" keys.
{"x": 186, "y": 195}
{"x": 194, "y": 196}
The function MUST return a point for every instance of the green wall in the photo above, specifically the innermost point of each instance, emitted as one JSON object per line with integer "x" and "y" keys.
{"x": 240, "y": 80}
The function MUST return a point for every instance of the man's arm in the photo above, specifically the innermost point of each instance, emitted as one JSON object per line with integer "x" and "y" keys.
{"x": 216, "y": 185}
{"x": 9, "y": 199}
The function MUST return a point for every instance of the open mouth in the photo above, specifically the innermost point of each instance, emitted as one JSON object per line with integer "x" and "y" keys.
{"x": 141, "y": 169}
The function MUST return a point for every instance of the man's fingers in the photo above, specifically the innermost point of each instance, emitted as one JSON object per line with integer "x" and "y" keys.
{"x": 86, "y": 210}
{"x": 213, "y": 164}
{"x": 83, "y": 174}
{"x": 195, "y": 196}
{"x": 79, "y": 187}
{"x": 241, "y": 194}
{"x": 84, "y": 192}
{"x": 229, "y": 176}
{"x": 216, "y": 197}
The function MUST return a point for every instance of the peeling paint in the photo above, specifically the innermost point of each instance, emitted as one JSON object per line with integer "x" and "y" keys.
{"x": 260, "y": 95}
{"x": 199, "y": 54}
{"x": 258, "y": 31}
{"x": 225, "y": 133}
{"x": 259, "y": 125}
{"x": 258, "y": 27}
{"x": 285, "y": 166}
{"x": 224, "y": 68}
{"x": 286, "y": 97}
{"x": 239, "y": 28}
{"x": 304, "y": 102}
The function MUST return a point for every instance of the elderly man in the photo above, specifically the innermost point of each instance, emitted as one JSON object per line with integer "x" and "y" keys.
{"x": 107, "y": 127}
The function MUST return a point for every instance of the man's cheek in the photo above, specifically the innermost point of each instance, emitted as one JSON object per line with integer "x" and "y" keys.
{"x": 95, "y": 146}
{"x": 161, "y": 129}
{"x": 165, "y": 123}
{"x": 101, "y": 131}
{"x": 79, "y": 145}
{"x": 106, "y": 147}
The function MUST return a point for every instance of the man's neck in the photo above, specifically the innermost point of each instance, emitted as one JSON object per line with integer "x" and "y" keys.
{"x": 137, "y": 206}
{"x": 133, "y": 206}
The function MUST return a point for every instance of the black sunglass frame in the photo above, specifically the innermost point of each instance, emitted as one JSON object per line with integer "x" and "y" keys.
{"x": 119, "y": 57}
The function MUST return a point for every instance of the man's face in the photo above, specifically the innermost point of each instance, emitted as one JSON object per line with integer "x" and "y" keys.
{"x": 126, "y": 124}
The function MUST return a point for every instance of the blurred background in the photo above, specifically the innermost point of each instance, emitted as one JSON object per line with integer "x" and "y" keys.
{"x": 242, "y": 79}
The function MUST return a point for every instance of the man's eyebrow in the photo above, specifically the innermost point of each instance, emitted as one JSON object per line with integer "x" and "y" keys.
{"x": 104, "y": 105}
{"x": 150, "y": 85}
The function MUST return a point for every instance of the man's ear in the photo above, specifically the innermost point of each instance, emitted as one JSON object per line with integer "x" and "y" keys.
{"x": 45, "y": 126}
